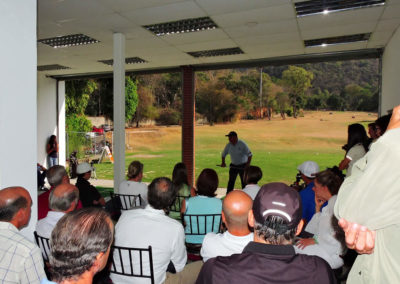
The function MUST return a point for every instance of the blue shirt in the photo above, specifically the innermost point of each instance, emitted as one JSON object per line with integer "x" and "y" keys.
{"x": 45, "y": 281}
{"x": 307, "y": 196}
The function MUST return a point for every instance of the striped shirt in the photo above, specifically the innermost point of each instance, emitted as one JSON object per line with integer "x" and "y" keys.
{"x": 20, "y": 259}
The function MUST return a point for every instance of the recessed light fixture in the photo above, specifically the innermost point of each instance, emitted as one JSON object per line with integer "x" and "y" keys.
{"x": 313, "y": 7}
{"x": 337, "y": 40}
{"x": 182, "y": 26}
{"x": 68, "y": 40}
{"x": 129, "y": 60}
{"x": 216, "y": 52}
{"x": 51, "y": 67}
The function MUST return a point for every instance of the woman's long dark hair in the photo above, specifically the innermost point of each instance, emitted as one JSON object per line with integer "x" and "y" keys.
{"x": 179, "y": 175}
{"x": 52, "y": 139}
{"x": 356, "y": 134}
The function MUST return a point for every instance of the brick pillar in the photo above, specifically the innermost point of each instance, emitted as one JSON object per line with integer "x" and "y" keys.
{"x": 188, "y": 121}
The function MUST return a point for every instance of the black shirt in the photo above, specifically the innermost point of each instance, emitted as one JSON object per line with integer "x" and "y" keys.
{"x": 87, "y": 193}
{"x": 262, "y": 263}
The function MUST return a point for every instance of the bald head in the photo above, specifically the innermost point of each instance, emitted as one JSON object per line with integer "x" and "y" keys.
{"x": 235, "y": 208}
{"x": 15, "y": 203}
{"x": 64, "y": 198}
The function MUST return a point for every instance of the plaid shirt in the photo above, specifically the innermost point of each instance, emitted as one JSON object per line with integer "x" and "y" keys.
{"x": 20, "y": 260}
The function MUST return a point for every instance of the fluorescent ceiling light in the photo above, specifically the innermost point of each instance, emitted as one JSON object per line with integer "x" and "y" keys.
{"x": 216, "y": 52}
{"x": 51, "y": 67}
{"x": 68, "y": 40}
{"x": 182, "y": 26}
{"x": 337, "y": 40}
{"x": 129, "y": 60}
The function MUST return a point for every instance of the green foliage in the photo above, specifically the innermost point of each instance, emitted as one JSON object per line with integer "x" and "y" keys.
{"x": 77, "y": 126}
{"x": 169, "y": 116}
{"x": 145, "y": 109}
{"x": 131, "y": 98}
{"x": 77, "y": 123}
{"x": 77, "y": 95}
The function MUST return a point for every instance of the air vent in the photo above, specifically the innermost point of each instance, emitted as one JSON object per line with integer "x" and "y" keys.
{"x": 313, "y": 7}
{"x": 337, "y": 40}
{"x": 68, "y": 40}
{"x": 182, "y": 26}
{"x": 130, "y": 60}
{"x": 216, "y": 52}
{"x": 51, "y": 67}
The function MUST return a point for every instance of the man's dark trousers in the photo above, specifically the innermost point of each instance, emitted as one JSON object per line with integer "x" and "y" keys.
{"x": 235, "y": 170}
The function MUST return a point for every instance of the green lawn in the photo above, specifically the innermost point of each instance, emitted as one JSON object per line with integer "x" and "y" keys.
{"x": 278, "y": 146}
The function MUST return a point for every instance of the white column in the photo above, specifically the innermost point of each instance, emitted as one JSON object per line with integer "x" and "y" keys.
{"x": 390, "y": 74}
{"x": 61, "y": 123}
{"x": 18, "y": 126}
{"x": 119, "y": 109}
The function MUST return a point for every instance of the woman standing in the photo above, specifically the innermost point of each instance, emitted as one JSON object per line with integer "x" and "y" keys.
{"x": 52, "y": 151}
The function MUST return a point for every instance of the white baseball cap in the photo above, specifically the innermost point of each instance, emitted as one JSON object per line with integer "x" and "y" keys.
{"x": 83, "y": 168}
{"x": 309, "y": 169}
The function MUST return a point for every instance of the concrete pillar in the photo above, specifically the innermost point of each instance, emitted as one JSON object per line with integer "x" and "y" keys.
{"x": 188, "y": 121}
{"x": 390, "y": 74}
{"x": 119, "y": 109}
{"x": 61, "y": 122}
{"x": 18, "y": 81}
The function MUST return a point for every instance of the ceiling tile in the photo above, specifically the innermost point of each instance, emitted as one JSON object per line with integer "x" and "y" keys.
{"x": 391, "y": 11}
{"x": 201, "y": 36}
{"x": 337, "y": 47}
{"x": 271, "y": 38}
{"x": 333, "y": 31}
{"x": 388, "y": 25}
{"x": 213, "y": 7}
{"x": 129, "y": 5}
{"x": 262, "y": 29}
{"x": 209, "y": 45}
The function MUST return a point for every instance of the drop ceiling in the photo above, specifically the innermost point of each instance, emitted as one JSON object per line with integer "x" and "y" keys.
{"x": 262, "y": 29}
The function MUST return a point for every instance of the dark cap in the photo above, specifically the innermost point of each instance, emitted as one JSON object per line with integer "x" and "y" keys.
{"x": 232, "y": 133}
{"x": 278, "y": 199}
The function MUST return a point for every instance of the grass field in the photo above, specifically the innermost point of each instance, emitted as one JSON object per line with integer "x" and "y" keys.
{"x": 278, "y": 146}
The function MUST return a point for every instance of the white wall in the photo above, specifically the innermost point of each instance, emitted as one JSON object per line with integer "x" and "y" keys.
{"x": 18, "y": 140}
{"x": 47, "y": 117}
{"x": 390, "y": 74}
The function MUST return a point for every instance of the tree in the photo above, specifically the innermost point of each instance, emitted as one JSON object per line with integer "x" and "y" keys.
{"x": 145, "y": 109}
{"x": 77, "y": 95}
{"x": 297, "y": 81}
{"x": 131, "y": 98}
{"x": 282, "y": 102}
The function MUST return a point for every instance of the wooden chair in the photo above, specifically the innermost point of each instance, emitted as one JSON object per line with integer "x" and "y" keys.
{"x": 125, "y": 201}
{"x": 129, "y": 262}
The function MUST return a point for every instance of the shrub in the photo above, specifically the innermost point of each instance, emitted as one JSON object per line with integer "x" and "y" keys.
{"x": 169, "y": 116}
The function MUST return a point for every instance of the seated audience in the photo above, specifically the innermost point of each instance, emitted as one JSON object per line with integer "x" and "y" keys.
{"x": 63, "y": 199}
{"x": 324, "y": 243}
{"x": 180, "y": 182}
{"x": 372, "y": 133}
{"x": 80, "y": 245}
{"x": 235, "y": 210}
{"x": 204, "y": 203}
{"x": 20, "y": 259}
{"x": 308, "y": 170}
{"x": 88, "y": 194}
{"x": 151, "y": 226}
{"x": 252, "y": 176}
{"x": 56, "y": 175}
{"x": 270, "y": 258}
{"x": 134, "y": 184}
{"x": 41, "y": 175}
{"x": 381, "y": 124}
{"x": 356, "y": 147}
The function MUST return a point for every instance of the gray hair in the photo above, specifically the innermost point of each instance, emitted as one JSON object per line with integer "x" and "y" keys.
{"x": 63, "y": 203}
{"x": 55, "y": 175}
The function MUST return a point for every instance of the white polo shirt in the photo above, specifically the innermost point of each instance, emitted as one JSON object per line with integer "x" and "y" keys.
{"x": 252, "y": 190}
{"x": 239, "y": 152}
{"x": 224, "y": 244}
{"x": 45, "y": 226}
{"x": 140, "y": 228}
{"x": 134, "y": 187}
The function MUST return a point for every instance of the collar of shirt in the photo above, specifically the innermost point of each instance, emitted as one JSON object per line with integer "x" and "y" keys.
{"x": 150, "y": 209}
{"x": 229, "y": 236}
{"x": 8, "y": 226}
{"x": 254, "y": 247}
{"x": 55, "y": 214}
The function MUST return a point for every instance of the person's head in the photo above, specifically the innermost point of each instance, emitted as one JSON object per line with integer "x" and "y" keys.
{"x": 207, "y": 183}
{"x": 233, "y": 138}
{"x": 161, "y": 193}
{"x": 308, "y": 170}
{"x": 84, "y": 170}
{"x": 381, "y": 124}
{"x": 276, "y": 214}
{"x": 372, "y": 130}
{"x": 179, "y": 175}
{"x": 356, "y": 134}
{"x": 235, "y": 211}
{"x": 52, "y": 139}
{"x": 253, "y": 174}
{"x": 64, "y": 198}
{"x": 326, "y": 184}
{"x": 135, "y": 171}
{"x": 57, "y": 175}
{"x": 80, "y": 243}
{"x": 15, "y": 206}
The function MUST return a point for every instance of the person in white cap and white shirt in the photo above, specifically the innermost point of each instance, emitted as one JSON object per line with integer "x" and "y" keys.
{"x": 308, "y": 170}
{"x": 88, "y": 194}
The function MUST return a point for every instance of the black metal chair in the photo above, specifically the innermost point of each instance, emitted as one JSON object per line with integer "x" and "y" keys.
{"x": 129, "y": 262}
{"x": 177, "y": 204}
{"x": 125, "y": 201}
{"x": 201, "y": 224}
{"x": 44, "y": 245}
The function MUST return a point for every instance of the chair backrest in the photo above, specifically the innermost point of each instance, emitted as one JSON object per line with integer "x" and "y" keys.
{"x": 132, "y": 262}
{"x": 177, "y": 205}
{"x": 201, "y": 224}
{"x": 44, "y": 245}
{"x": 126, "y": 201}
